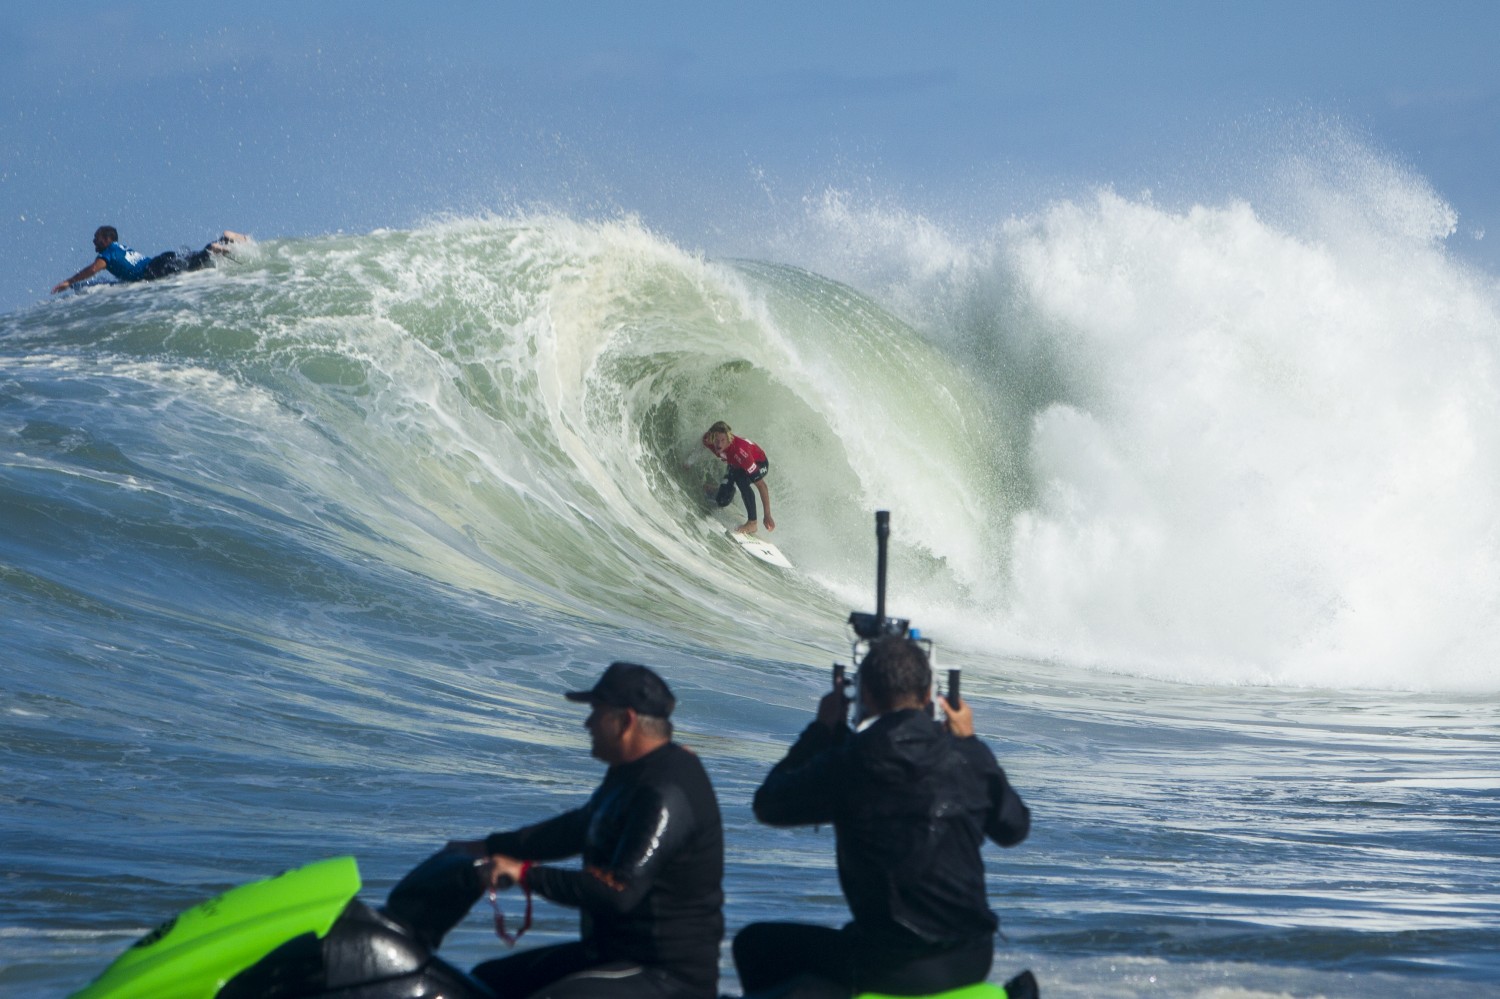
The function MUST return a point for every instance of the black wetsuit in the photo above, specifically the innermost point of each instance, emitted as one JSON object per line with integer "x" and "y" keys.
{"x": 650, "y": 893}
{"x": 738, "y": 478}
{"x": 169, "y": 263}
{"x": 126, "y": 264}
{"x": 911, "y": 806}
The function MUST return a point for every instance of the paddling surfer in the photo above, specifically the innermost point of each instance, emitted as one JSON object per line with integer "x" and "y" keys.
{"x": 747, "y": 466}
{"x": 130, "y": 265}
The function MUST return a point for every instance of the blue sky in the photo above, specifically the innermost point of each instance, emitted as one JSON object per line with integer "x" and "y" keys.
{"x": 297, "y": 119}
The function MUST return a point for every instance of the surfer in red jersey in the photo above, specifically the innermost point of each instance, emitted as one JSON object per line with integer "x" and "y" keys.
{"x": 747, "y": 466}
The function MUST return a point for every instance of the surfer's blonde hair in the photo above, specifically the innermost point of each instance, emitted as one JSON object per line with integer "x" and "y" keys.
{"x": 720, "y": 428}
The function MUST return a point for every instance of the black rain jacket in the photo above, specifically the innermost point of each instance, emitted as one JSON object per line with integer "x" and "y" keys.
{"x": 910, "y": 806}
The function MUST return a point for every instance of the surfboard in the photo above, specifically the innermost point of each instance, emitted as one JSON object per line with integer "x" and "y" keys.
{"x": 759, "y": 547}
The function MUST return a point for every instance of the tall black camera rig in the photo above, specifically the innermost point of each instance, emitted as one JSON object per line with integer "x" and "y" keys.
{"x": 868, "y": 627}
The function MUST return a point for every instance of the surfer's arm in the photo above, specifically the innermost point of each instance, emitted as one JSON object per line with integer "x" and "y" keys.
{"x": 83, "y": 275}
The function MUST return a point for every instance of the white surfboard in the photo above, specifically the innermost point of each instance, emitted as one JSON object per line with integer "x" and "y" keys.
{"x": 759, "y": 547}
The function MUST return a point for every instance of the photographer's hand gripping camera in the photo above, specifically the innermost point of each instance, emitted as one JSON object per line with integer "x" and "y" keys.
{"x": 867, "y": 627}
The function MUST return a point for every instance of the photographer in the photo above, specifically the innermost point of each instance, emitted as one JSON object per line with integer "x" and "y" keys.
{"x": 911, "y": 802}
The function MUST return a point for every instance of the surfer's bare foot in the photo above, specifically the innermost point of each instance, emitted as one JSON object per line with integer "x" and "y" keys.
{"x": 748, "y": 527}
{"x": 222, "y": 244}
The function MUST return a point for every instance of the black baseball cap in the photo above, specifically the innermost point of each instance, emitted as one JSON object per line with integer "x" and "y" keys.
{"x": 629, "y": 685}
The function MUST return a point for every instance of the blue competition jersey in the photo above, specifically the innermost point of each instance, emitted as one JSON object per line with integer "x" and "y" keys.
{"x": 124, "y": 263}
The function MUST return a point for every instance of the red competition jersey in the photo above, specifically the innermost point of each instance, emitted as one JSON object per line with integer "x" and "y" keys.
{"x": 741, "y": 453}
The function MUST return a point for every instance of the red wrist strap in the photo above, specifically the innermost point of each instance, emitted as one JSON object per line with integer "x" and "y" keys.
{"x": 511, "y": 938}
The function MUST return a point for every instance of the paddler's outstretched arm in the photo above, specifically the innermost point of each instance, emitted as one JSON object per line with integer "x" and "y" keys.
{"x": 83, "y": 275}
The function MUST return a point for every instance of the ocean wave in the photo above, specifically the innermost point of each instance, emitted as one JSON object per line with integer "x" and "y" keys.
{"x": 1195, "y": 444}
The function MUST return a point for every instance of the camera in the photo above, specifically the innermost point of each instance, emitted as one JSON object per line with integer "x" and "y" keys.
{"x": 867, "y": 627}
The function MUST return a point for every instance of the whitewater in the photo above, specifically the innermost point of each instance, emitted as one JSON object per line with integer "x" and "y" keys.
{"x": 298, "y": 555}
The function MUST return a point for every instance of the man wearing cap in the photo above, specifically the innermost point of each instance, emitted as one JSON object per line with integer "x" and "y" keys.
{"x": 650, "y": 891}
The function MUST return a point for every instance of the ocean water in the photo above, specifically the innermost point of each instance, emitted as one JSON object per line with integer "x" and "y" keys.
{"x": 298, "y": 556}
